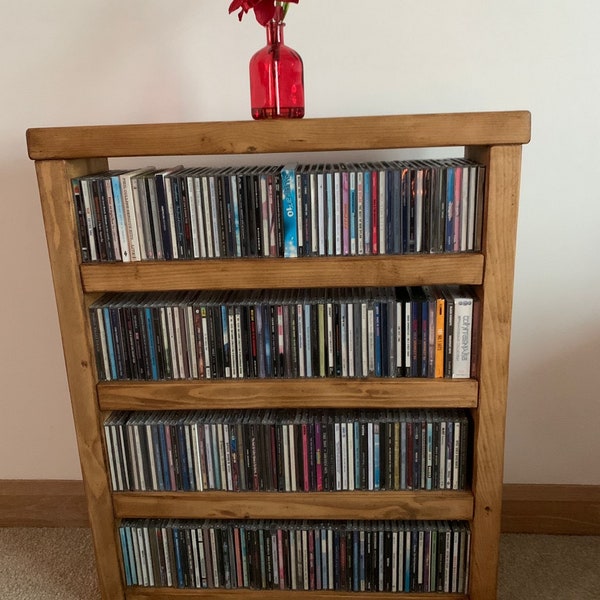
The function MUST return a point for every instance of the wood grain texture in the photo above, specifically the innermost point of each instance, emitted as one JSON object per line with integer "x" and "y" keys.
{"x": 291, "y": 135}
{"x": 45, "y": 503}
{"x": 551, "y": 509}
{"x": 266, "y": 273}
{"x": 54, "y": 179}
{"x": 305, "y": 505}
{"x": 288, "y": 393}
{"x": 526, "y": 508}
{"x": 503, "y": 176}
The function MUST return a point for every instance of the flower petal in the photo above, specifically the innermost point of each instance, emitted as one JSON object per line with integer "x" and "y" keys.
{"x": 264, "y": 10}
{"x": 243, "y": 5}
{"x": 235, "y": 5}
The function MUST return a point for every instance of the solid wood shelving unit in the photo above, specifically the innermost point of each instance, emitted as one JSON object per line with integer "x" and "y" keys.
{"x": 495, "y": 139}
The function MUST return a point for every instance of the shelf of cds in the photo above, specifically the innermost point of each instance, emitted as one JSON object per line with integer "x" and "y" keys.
{"x": 288, "y": 376}
{"x": 355, "y": 556}
{"x": 287, "y": 451}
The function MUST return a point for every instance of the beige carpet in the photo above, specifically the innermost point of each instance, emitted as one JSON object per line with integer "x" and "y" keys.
{"x": 58, "y": 564}
{"x": 549, "y": 567}
{"x": 47, "y": 564}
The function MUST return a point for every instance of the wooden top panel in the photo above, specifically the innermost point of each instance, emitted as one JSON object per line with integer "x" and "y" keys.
{"x": 293, "y": 135}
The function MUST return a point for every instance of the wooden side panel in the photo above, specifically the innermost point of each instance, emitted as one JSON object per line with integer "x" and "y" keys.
{"x": 57, "y": 207}
{"x": 503, "y": 173}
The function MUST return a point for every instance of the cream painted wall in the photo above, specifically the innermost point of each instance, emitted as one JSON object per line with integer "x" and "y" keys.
{"x": 113, "y": 61}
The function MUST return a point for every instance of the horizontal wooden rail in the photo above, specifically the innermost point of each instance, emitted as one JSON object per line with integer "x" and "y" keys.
{"x": 288, "y": 393}
{"x": 295, "y": 505}
{"x": 282, "y": 136}
{"x": 299, "y": 273}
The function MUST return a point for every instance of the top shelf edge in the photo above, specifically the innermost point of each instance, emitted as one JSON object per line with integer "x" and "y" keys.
{"x": 280, "y": 136}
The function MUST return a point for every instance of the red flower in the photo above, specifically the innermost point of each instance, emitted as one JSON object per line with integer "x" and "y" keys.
{"x": 264, "y": 10}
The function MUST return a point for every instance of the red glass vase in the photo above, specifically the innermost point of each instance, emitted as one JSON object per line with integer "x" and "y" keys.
{"x": 276, "y": 78}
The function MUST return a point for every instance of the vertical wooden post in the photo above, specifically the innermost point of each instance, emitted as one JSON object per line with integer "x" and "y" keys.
{"x": 503, "y": 173}
{"x": 54, "y": 178}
